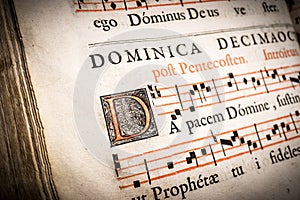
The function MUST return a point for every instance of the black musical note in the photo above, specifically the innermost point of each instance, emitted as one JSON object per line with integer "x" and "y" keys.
{"x": 242, "y": 140}
{"x": 188, "y": 160}
{"x": 230, "y": 84}
{"x": 249, "y": 143}
{"x": 208, "y": 89}
{"x": 203, "y": 152}
{"x": 283, "y": 77}
{"x": 225, "y": 142}
{"x": 202, "y": 86}
{"x": 285, "y": 127}
{"x": 174, "y": 117}
{"x": 275, "y": 74}
{"x": 275, "y": 129}
{"x": 178, "y": 95}
{"x": 154, "y": 92}
{"x": 255, "y": 82}
{"x": 294, "y": 80}
{"x": 235, "y": 135}
{"x": 116, "y": 163}
{"x": 177, "y": 112}
{"x": 170, "y": 165}
{"x": 113, "y": 5}
{"x": 139, "y": 3}
{"x": 192, "y": 108}
{"x": 136, "y": 184}
{"x": 267, "y": 72}
{"x": 192, "y": 156}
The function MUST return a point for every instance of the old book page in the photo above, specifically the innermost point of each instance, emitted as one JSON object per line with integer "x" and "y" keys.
{"x": 176, "y": 99}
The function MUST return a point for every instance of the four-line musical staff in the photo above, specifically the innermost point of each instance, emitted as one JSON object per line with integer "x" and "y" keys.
{"x": 208, "y": 93}
{"x": 230, "y": 144}
{"x": 237, "y": 142}
{"x": 112, "y": 5}
{"x": 161, "y": 163}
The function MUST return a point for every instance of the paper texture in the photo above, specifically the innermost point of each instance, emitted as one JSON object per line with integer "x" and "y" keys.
{"x": 166, "y": 99}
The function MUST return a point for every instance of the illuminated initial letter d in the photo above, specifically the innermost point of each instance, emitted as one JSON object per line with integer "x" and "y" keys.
{"x": 118, "y": 129}
{"x": 128, "y": 117}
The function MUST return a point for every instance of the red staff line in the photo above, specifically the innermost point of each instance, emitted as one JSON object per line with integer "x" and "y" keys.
{"x": 121, "y": 1}
{"x": 198, "y": 139}
{"x": 230, "y": 148}
{"x": 224, "y": 85}
{"x": 100, "y": 2}
{"x": 208, "y": 163}
{"x": 185, "y": 93}
{"x": 193, "y": 149}
{"x": 143, "y": 7}
{"x": 164, "y": 157}
{"x": 130, "y": 8}
{"x": 221, "y": 86}
{"x": 216, "y": 152}
{"x": 240, "y": 97}
{"x": 207, "y": 97}
{"x": 226, "y": 77}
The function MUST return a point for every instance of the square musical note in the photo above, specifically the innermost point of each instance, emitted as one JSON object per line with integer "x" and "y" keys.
{"x": 170, "y": 165}
{"x": 136, "y": 184}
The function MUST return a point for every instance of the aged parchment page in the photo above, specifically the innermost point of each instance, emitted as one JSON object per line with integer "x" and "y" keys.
{"x": 166, "y": 99}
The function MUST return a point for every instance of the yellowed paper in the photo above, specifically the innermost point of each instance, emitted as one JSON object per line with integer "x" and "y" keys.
{"x": 166, "y": 99}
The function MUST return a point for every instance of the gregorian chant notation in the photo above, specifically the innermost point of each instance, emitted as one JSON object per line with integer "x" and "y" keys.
{"x": 111, "y": 5}
{"x": 146, "y": 167}
{"x": 197, "y": 95}
{"x": 149, "y": 166}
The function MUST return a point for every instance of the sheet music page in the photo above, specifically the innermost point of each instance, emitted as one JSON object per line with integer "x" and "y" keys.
{"x": 157, "y": 99}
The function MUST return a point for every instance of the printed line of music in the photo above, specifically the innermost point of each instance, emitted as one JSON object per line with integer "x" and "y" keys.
{"x": 191, "y": 96}
{"x": 150, "y": 166}
{"x": 110, "y": 5}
